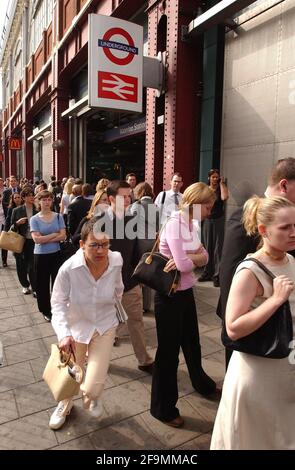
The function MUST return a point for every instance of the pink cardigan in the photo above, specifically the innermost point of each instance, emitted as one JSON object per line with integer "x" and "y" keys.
{"x": 177, "y": 239}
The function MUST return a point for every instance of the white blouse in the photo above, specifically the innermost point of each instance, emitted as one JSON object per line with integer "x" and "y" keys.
{"x": 81, "y": 305}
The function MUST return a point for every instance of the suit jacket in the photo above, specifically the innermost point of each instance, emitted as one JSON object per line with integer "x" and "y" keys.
{"x": 237, "y": 244}
{"x": 76, "y": 211}
{"x": 148, "y": 217}
{"x": 127, "y": 246}
{"x": 19, "y": 213}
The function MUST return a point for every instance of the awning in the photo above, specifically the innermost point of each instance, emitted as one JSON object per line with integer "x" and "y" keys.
{"x": 77, "y": 109}
{"x": 216, "y": 15}
{"x": 39, "y": 133}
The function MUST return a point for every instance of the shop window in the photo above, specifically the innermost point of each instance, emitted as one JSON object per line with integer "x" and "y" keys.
{"x": 7, "y": 88}
{"x": 17, "y": 70}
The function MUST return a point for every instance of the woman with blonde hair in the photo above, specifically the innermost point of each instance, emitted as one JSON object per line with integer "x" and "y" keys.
{"x": 65, "y": 200}
{"x": 102, "y": 184}
{"x": 176, "y": 317}
{"x": 257, "y": 407}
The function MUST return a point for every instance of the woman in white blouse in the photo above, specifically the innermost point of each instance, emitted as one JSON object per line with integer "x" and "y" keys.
{"x": 84, "y": 314}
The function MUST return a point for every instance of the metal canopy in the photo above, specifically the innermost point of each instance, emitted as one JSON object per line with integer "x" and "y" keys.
{"x": 216, "y": 15}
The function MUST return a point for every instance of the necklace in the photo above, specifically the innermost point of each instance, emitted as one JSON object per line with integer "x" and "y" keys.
{"x": 276, "y": 258}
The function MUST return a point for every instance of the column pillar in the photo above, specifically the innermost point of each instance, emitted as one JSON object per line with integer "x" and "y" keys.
{"x": 180, "y": 145}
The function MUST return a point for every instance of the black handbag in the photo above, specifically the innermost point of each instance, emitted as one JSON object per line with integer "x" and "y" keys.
{"x": 272, "y": 339}
{"x": 151, "y": 272}
{"x": 67, "y": 249}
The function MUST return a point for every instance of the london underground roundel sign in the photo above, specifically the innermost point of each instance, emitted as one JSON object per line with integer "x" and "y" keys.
{"x": 110, "y": 45}
{"x": 115, "y": 61}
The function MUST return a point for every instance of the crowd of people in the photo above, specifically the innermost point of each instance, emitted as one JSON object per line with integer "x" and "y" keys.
{"x": 110, "y": 227}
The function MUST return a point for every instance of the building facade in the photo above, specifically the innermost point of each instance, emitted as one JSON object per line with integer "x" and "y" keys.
{"x": 227, "y": 99}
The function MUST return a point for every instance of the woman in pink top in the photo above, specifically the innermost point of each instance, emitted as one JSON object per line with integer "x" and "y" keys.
{"x": 176, "y": 317}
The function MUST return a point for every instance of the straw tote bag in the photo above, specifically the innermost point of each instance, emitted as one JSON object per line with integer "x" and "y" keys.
{"x": 12, "y": 241}
{"x": 62, "y": 375}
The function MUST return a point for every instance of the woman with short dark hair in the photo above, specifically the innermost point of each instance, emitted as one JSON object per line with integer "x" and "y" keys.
{"x": 48, "y": 230}
{"x": 20, "y": 221}
{"x": 84, "y": 315}
{"x": 213, "y": 228}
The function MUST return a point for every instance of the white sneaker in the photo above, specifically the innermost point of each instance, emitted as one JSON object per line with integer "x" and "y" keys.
{"x": 26, "y": 290}
{"x": 60, "y": 413}
{"x": 96, "y": 408}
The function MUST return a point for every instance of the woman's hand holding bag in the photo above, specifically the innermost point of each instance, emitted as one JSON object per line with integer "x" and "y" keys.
{"x": 157, "y": 271}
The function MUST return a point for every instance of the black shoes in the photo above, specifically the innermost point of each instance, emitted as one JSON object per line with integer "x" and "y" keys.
{"x": 47, "y": 318}
{"x": 204, "y": 385}
{"x": 148, "y": 368}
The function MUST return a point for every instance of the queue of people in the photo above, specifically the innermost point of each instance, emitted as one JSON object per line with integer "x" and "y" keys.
{"x": 111, "y": 229}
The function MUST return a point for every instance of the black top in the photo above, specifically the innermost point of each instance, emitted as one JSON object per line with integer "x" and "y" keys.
{"x": 76, "y": 211}
{"x": 116, "y": 229}
{"x": 218, "y": 208}
{"x": 19, "y": 213}
{"x": 237, "y": 244}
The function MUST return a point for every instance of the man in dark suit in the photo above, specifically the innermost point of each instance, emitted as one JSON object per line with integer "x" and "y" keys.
{"x": 20, "y": 222}
{"x": 122, "y": 230}
{"x": 78, "y": 209}
{"x": 237, "y": 244}
{"x": 13, "y": 188}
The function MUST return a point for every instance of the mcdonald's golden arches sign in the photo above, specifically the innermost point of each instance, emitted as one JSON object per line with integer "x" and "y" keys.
{"x": 15, "y": 143}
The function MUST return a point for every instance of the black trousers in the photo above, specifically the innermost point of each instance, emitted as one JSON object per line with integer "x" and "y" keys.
{"x": 4, "y": 253}
{"x": 177, "y": 326}
{"x": 213, "y": 236}
{"x": 25, "y": 265}
{"x": 46, "y": 269}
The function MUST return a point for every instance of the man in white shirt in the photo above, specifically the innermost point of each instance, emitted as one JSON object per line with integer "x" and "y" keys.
{"x": 168, "y": 201}
{"x": 132, "y": 181}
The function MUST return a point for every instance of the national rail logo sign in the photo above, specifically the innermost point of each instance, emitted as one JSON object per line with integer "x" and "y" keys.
{"x": 115, "y": 63}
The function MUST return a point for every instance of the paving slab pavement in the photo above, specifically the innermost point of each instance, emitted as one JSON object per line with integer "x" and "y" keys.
{"x": 26, "y": 402}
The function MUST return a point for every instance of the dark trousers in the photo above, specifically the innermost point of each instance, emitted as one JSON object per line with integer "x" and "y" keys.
{"x": 177, "y": 326}
{"x": 25, "y": 265}
{"x": 213, "y": 236}
{"x": 4, "y": 256}
{"x": 46, "y": 269}
{"x": 3, "y": 252}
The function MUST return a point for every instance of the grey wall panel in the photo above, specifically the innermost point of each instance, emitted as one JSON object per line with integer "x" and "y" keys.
{"x": 285, "y": 127}
{"x": 287, "y": 57}
{"x": 246, "y": 170}
{"x": 259, "y": 99}
{"x": 249, "y": 114}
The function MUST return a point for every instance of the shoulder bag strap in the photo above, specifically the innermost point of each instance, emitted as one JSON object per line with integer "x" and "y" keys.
{"x": 149, "y": 258}
{"x": 261, "y": 265}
